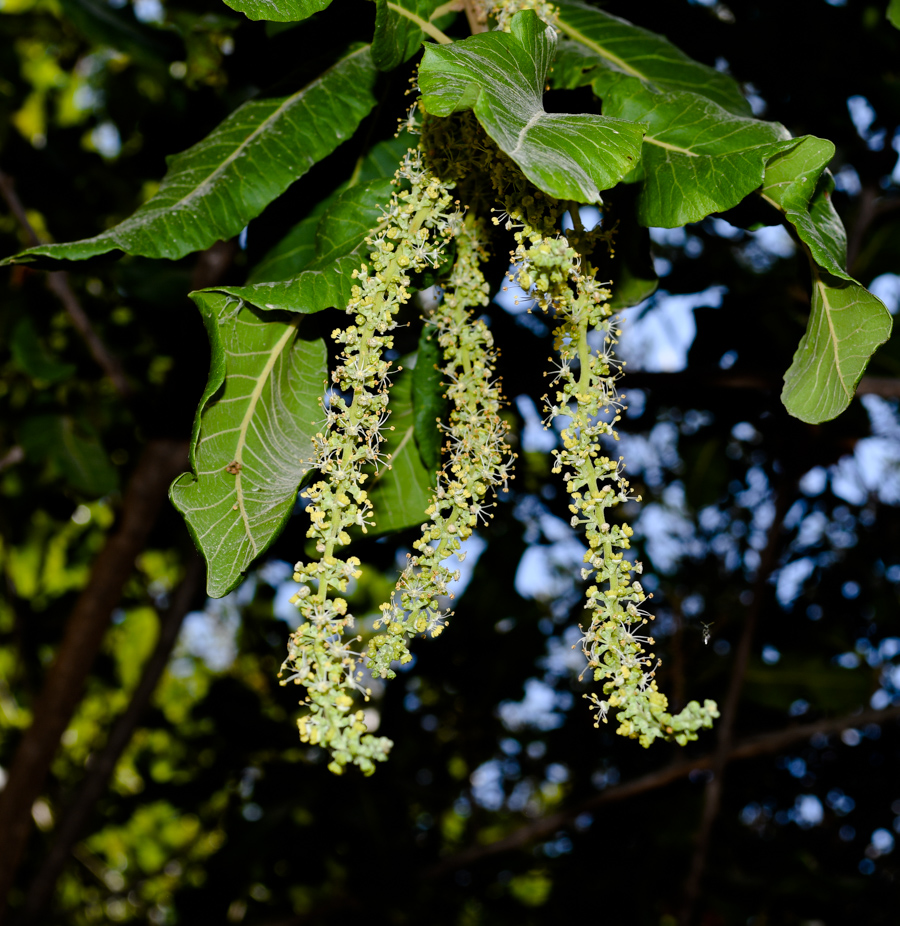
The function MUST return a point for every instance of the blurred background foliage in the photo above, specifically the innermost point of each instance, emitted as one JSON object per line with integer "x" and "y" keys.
{"x": 501, "y": 803}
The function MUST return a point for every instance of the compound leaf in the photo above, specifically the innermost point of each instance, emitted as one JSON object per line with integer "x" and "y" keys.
{"x": 501, "y": 77}
{"x": 213, "y": 189}
{"x": 846, "y": 324}
{"x": 252, "y": 439}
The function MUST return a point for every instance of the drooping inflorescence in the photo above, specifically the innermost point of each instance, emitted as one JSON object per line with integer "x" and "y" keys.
{"x": 419, "y": 222}
{"x": 561, "y": 280}
{"x": 476, "y": 459}
{"x": 555, "y": 272}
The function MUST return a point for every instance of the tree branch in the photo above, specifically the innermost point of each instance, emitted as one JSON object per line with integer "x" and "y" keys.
{"x": 714, "y": 787}
{"x": 101, "y": 767}
{"x": 58, "y": 284}
{"x": 750, "y": 748}
{"x": 160, "y": 462}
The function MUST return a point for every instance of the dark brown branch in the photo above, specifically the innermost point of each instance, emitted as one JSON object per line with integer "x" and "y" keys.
{"x": 885, "y": 386}
{"x": 72, "y": 823}
{"x": 750, "y": 748}
{"x": 726, "y": 724}
{"x": 58, "y": 284}
{"x": 160, "y": 462}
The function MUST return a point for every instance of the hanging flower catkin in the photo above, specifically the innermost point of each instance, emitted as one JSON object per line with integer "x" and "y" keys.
{"x": 419, "y": 222}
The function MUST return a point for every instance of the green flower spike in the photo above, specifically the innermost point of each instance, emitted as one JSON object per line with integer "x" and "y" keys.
{"x": 418, "y": 224}
{"x": 560, "y": 279}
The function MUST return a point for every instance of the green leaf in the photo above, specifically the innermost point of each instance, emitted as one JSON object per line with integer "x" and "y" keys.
{"x": 798, "y": 185}
{"x": 348, "y": 221}
{"x": 846, "y": 324}
{"x": 328, "y": 288}
{"x": 501, "y": 76}
{"x": 278, "y": 11}
{"x": 385, "y": 157}
{"x": 335, "y": 227}
{"x": 428, "y": 398}
{"x": 212, "y": 190}
{"x": 32, "y": 356}
{"x": 398, "y": 31}
{"x": 73, "y": 449}
{"x": 298, "y": 248}
{"x": 622, "y": 47}
{"x": 629, "y": 267}
{"x": 893, "y": 13}
{"x": 697, "y": 158}
{"x": 401, "y": 494}
{"x": 107, "y": 26}
{"x": 294, "y": 252}
{"x": 252, "y": 439}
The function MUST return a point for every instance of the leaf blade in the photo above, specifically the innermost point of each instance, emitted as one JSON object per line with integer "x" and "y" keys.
{"x": 397, "y": 36}
{"x": 846, "y": 324}
{"x": 500, "y": 76}
{"x": 697, "y": 158}
{"x": 636, "y": 52}
{"x": 797, "y": 183}
{"x": 253, "y": 433}
{"x": 213, "y": 189}
{"x": 278, "y": 11}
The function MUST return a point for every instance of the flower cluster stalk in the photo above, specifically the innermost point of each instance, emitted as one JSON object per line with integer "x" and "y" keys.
{"x": 477, "y": 460}
{"x": 419, "y": 222}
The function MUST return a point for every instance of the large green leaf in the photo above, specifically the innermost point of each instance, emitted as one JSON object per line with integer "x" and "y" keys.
{"x": 798, "y": 185}
{"x": 398, "y": 30}
{"x": 106, "y": 25}
{"x": 30, "y": 353}
{"x": 628, "y": 49}
{"x": 73, "y": 449}
{"x": 278, "y": 11}
{"x": 253, "y": 431}
{"x": 335, "y": 227}
{"x": 846, "y": 324}
{"x": 630, "y": 265}
{"x": 401, "y": 494}
{"x": 429, "y": 398}
{"x": 212, "y": 190}
{"x": 327, "y": 288}
{"x": 501, "y": 77}
{"x": 294, "y": 251}
{"x": 298, "y": 248}
{"x": 893, "y": 13}
{"x": 697, "y": 158}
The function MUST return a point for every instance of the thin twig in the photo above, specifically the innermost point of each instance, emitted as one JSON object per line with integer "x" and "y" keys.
{"x": 726, "y": 724}
{"x": 58, "y": 284}
{"x": 750, "y": 748}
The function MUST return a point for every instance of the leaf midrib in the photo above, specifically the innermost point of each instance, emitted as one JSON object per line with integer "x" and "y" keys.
{"x": 833, "y": 335}
{"x": 574, "y": 33}
{"x": 288, "y": 102}
{"x": 262, "y": 379}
